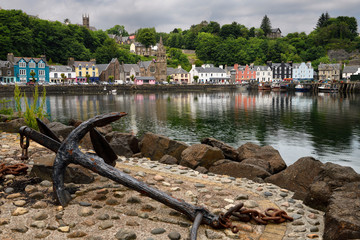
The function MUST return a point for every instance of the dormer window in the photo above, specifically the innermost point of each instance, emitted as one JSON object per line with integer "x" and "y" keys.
{"x": 41, "y": 65}
{"x": 31, "y": 65}
{"x": 22, "y": 64}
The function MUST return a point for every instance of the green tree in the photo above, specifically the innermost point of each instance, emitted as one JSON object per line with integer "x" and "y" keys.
{"x": 63, "y": 78}
{"x": 196, "y": 78}
{"x": 146, "y": 36}
{"x": 266, "y": 25}
{"x": 111, "y": 78}
{"x": 323, "y": 20}
{"x": 118, "y": 30}
{"x": 87, "y": 78}
{"x": 32, "y": 74}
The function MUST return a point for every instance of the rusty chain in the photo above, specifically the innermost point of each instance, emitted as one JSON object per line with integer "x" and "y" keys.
{"x": 246, "y": 215}
{"x": 15, "y": 169}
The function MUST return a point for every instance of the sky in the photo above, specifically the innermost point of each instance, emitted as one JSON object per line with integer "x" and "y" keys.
{"x": 165, "y": 15}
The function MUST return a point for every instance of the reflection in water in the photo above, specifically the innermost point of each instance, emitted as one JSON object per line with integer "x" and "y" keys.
{"x": 325, "y": 126}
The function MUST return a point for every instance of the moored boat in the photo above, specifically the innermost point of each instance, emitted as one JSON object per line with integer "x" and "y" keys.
{"x": 264, "y": 86}
{"x": 327, "y": 87}
{"x": 302, "y": 88}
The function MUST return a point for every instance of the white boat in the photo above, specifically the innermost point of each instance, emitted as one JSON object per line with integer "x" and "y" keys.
{"x": 113, "y": 91}
{"x": 327, "y": 87}
{"x": 302, "y": 88}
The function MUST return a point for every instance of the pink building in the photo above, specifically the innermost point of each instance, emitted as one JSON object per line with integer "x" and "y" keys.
{"x": 144, "y": 80}
{"x": 244, "y": 73}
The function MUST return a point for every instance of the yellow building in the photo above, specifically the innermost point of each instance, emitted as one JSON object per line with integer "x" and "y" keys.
{"x": 84, "y": 69}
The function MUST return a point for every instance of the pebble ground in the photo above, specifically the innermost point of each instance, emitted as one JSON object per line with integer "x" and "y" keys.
{"x": 106, "y": 210}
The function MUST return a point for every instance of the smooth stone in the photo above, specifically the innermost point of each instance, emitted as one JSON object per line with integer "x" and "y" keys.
{"x": 20, "y": 203}
{"x": 112, "y": 202}
{"x": 268, "y": 194}
{"x": 21, "y": 228}
{"x": 85, "y": 204}
{"x": 84, "y": 212}
{"x": 31, "y": 189}
{"x": 39, "y": 205}
{"x": 103, "y": 217}
{"x": 77, "y": 234}
{"x": 314, "y": 229}
{"x": 42, "y": 234}
{"x": 174, "y": 236}
{"x": 105, "y": 225}
{"x": 158, "y": 178}
{"x": 9, "y": 190}
{"x": 65, "y": 229}
{"x": 157, "y": 231}
{"x": 133, "y": 200}
{"x": 4, "y": 221}
{"x": 250, "y": 204}
{"x": 283, "y": 194}
{"x": 46, "y": 183}
{"x": 124, "y": 234}
{"x": 37, "y": 195}
{"x": 19, "y": 211}
{"x": 40, "y": 216}
{"x": 13, "y": 196}
{"x": 296, "y": 216}
{"x": 199, "y": 185}
{"x": 242, "y": 197}
{"x": 38, "y": 224}
{"x": 132, "y": 223}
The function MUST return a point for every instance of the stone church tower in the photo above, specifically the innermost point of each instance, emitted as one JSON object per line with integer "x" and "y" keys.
{"x": 161, "y": 64}
{"x": 86, "y": 21}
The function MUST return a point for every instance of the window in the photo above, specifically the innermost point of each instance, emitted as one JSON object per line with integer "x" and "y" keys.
{"x": 41, "y": 65}
{"x": 31, "y": 65}
{"x": 93, "y": 68}
{"x": 22, "y": 64}
{"x": 55, "y": 75}
{"x": 80, "y": 74}
{"x": 69, "y": 75}
{"x": 87, "y": 73}
{"x": 80, "y": 67}
{"x": 87, "y": 67}
{"x": 41, "y": 72}
{"x": 93, "y": 74}
{"x": 22, "y": 72}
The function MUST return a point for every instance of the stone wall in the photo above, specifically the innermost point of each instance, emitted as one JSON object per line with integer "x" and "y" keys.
{"x": 100, "y": 89}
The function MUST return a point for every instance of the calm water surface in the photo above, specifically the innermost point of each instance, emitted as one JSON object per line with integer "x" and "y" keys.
{"x": 325, "y": 126}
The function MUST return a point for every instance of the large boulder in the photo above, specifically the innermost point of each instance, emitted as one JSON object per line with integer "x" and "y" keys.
{"x": 156, "y": 146}
{"x": 298, "y": 176}
{"x": 200, "y": 155}
{"x": 267, "y": 153}
{"x": 248, "y": 150}
{"x": 342, "y": 218}
{"x": 167, "y": 159}
{"x": 123, "y": 144}
{"x": 43, "y": 168}
{"x": 12, "y": 126}
{"x": 239, "y": 170}
{"x": 228, "y": 151}
{"x": 329, "y": 178}
{"x": 60, "y": 130}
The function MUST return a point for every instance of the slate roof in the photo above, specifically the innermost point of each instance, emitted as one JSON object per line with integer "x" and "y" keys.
{"x": 60, "y": 68}
{"x": 4, "y": 63}
{"x": 27, "y": 59}
{"x": 76, "y": 63}
{"x": 102, "y": 67}
{"x": 128, "y": 67}
{"x": 145, "y": 64}
{"x": 210, "y": 70}
{"x": 332, "y": 65}
{"x": 262, "y": 68}
{"x": 170, "y": 70}
{"x": 351, "y": 69}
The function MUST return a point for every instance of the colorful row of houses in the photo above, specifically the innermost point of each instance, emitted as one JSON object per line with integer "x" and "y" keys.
{"x": 24, "y": 69}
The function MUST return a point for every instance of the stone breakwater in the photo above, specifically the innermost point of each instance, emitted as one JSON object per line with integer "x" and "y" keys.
{"x": 105, "y": 209}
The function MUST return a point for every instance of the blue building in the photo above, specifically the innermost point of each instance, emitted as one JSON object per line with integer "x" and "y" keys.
{"x": 23, "y": 66}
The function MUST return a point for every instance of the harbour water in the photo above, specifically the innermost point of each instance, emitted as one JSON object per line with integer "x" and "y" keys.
{"x": 325, "y": 126}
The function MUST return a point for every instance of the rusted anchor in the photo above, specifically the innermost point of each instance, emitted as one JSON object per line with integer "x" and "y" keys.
{"x": 103, "y": 164}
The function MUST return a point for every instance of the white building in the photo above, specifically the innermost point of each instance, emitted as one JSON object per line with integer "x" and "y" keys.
{"x": 207, "y": 74}
{"x": 57, "y": 70}
{"x": 302, "y": 71}
{"x": 350, "y": 70}
{"x": 263, "y": 73}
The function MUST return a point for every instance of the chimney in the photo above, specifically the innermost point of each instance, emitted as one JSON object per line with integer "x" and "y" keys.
{"x": 71, "y": 62}
{"x": 221, "y": 66}
{"x": 10, "y": 57}
{"x": 179, "y": 66}
{"x": 269, "y": 63}
{"x": 43, "y": 57}
{"x": 93, "y": 61}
